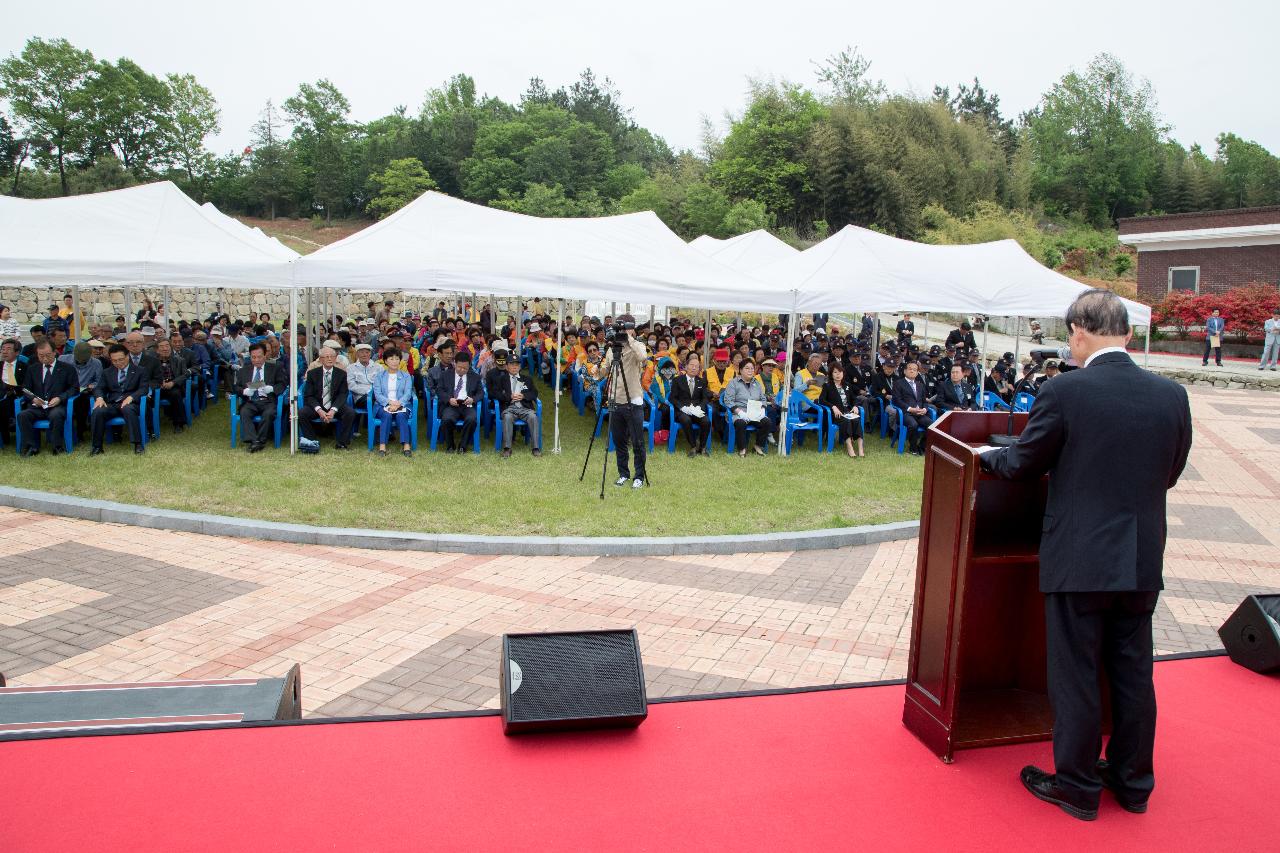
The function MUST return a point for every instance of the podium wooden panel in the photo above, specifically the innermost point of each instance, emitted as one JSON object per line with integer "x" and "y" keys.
{"x": 976, "y": 673}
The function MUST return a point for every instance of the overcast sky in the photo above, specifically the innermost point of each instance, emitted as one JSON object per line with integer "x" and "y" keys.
{"x": 1212, "y": 65}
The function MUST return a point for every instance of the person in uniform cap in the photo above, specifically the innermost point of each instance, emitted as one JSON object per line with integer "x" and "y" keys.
{"x": 1050, "y": 371}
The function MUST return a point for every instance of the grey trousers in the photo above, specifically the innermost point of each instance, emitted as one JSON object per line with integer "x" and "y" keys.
{"x": 516, "y": 412}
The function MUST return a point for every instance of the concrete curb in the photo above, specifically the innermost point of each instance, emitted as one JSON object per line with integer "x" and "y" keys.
{"x": 393, "y": 540}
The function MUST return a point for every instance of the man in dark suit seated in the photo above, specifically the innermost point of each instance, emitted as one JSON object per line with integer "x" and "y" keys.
{"x": 1114, "y": 439}
{"x": 954, "y": 393}
{"x": 911, "y": 395}
{"x": 48, "y": 384}
{"x": 118, "y": 395}
{"x": 1027, "y": 384}
{"x": 687, "y": 391}
{"x": 997, "y": 382}
{"x": 326, "y": 399}
{"x": 172, "y": 383}
{"x": 517, "y": 400}
{"x": 12, "y": 375}
{"x": 460, "y": 395}
{"x": 962, "y": 335}
{"x": 257, "y": 385}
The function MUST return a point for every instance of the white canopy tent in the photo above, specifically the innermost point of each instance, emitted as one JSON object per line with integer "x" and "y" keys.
{"x": 147, "y": 235}
{"x": 747, "y": 252}
{"x": 866, "y": 270}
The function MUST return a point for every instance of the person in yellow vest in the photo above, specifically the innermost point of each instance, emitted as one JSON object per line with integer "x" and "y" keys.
{"x": 719, "y": 375}
{"x": 810, "y": 378}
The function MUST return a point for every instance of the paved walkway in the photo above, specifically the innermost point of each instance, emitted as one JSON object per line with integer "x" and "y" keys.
{"x": 393, "y": 632}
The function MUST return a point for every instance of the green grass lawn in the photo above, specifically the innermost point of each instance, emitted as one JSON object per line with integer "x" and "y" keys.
{"x": 437, "y": 493}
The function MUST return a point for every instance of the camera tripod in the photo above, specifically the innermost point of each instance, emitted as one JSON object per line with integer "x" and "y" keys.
{"x": 615, "y": 370}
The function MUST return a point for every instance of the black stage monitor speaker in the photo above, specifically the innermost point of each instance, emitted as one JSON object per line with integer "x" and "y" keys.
{"x": 1252, "y": 634}
{"x": 64, "y": 709}
{"x": 571, "y": 680}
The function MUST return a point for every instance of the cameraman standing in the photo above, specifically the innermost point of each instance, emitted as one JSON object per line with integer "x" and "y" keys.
{"x": 626, "y": 398}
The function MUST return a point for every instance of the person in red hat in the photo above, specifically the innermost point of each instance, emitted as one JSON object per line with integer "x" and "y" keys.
{"x": 719, "y": 375}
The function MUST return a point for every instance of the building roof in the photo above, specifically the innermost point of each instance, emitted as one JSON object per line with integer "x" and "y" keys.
{"x": 1205, "y": 229}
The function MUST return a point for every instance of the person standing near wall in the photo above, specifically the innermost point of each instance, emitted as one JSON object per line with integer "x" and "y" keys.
{"x": 1271, "y": 346}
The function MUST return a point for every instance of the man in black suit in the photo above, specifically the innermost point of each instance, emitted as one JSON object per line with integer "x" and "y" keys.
{"x": 257, "y": 385}
{"x": 46, "y": 388}
{"x": 460, "y": 394}
{"x": 954, "y": 393}
{"x": 691, "y": 390}
{"x": 962, "y": 335}
{"x": 906, "y": 329}
{"x": 12, "y": 375}
{"x": 118, "y": 395}
{"x": 517, "y": 400}
{"x": 1114, "y": 438}
{"x": 171, "y": 375}
{"x": 912, "y": 396}
{"x": 326, "y": 399}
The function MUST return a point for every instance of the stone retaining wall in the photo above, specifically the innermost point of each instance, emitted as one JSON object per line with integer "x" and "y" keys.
{"x": 1264, "y": 381}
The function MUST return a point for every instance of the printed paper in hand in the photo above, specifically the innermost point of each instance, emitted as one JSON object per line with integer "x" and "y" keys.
{"x": 693, "y": 411}
{"x": 755, "y": 410}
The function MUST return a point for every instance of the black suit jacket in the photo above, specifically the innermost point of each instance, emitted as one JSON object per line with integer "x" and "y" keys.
{"x": 829, "y": 397}
{"x": 448, "y": 383}
{"x": 680, "y": 396}
{"x": 947, "y": 398}
{"x": 272, "y": 374}
{"x": 500, "y": 389}
{"x": 150, "y": 367}
{"x": 902, "y": 396}
{"x": 1114, "y": 439}
{"x": 312, "y": 399}
{"x": 19, "y": 375}
{"x": 112, "y": 390}
{"x": 63, "y": 381}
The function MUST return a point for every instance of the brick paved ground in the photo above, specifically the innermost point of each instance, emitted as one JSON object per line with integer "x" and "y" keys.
{"x": 393, "y": 632}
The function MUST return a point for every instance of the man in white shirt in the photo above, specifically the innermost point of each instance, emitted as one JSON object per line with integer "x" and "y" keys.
{"x": 517, "y": 401}
{"x": 360, "y": 375}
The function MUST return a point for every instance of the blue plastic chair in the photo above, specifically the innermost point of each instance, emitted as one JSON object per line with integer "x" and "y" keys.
{"x": 1022, "y": 401}
{"x": 413, "y": 423}
{"x": 278, "y": 426}
{"x": 991, "y": 402}
{"x": 833, "y": 430}
{"x": 519, "y": 422}
{"x": 162, "y": 403}
{"x": 436, "y": 425}
{"x": 805, "y": 416}
{"x": 143, "y": 405}
{"x": 674, "y": 429}
{"x": 68, "y": 427}
{"x": 901, "y": 436}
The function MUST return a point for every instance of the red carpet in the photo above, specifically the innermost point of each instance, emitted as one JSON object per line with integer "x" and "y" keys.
{"x": 831, "y": 770}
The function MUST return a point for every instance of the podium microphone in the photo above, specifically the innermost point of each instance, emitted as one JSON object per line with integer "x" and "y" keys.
{"x": 1006, "y": 440}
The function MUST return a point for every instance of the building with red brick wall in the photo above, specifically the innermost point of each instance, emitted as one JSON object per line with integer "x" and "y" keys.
{"x": 1206, "y": 252}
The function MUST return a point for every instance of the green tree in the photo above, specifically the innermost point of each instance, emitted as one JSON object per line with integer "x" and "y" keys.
{"x": 400, "y": 183}
{"x": 704, "y": 210}
{"x": 1096, "y": 140}
{"x": 763, "y": 155}
{"x": 846, "y": 75}
{"x": 272, "y": 175}
{"x": 46, "y": 87}
{"x": 750, "y": 215}
{"x": 130, "y": 111}
{"x": 663, "y": 194}
{"x": 550, "y": 201}
{"x": 322, "y": 135}
{"x": 1250, "y": 173}
{"x": 193, "y": 116}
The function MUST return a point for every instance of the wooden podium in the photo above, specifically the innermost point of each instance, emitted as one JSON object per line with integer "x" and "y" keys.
{"x": 976, "y": 674}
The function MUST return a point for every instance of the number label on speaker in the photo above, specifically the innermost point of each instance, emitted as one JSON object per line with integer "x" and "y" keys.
{"x": 517, "y": 677}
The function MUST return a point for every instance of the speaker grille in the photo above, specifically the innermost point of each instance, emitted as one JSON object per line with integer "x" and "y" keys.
{"x": 574, "y": 676}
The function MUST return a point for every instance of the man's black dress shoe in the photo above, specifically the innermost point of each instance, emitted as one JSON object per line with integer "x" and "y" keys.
{"x": 1109, "y": 782}
{"x": 1044, "y": 786}
{"x": 29, "y": 451}
{"x": 56, "y": 451}
{"x": 97, "y": 451}
{"x": 139, "y": 449}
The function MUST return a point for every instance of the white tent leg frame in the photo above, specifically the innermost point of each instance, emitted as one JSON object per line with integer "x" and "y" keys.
{"x": 1146, "y": 349}
{"x": 786, "y": 379}
{"x": 75, "y": 333}
{"x": 555, "y": 447}
{"x": 293, "y": 372}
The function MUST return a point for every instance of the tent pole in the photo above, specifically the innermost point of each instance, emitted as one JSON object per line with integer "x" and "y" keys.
{"x": 926, "y": 328}
{"x": 652, "y": 309}
{"x": 1017, "y": 342}
{"x": 168, "y": 311}
{"x": 876, "y": 343}
{"x": 1146, "y": 348}
{"x": 76, "y": 331}
{"x": 985, "y": 327}
{"x": 613, "y": 309}
{"x": 558, "y": 369}
{"x": 128, "y": 307}
{"x": 786, "y": 381}
{"x": 519, "y": 315}
{"x": 706, "y": 342}
{"x": 292, "y": 367}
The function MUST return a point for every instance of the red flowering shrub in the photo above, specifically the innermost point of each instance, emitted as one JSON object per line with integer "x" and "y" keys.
{"x": 1244, "y": 308}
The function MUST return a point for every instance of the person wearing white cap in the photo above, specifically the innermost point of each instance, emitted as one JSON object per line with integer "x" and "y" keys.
{"x": 360, "y": 375}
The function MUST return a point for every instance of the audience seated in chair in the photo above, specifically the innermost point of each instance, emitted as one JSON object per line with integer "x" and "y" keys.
{"x": 393, "y": 399}
{"x": 517, "y": 400}
{"x": 846, "y": 416}
{"x": 955, "y": 393}
{"x": 910, "y": 395}
{"x": 257, "y": 385}
{"x": 690, "y": 391}
{"x": 325, "y": 401}
{"x": 119, "y": 395}
{"x": 172, "y": 388}
{"x": 740, "y": 391}
{"x": 13, "y": 373}
{"x": 49, "y": 383}
{"x": 461, "y": 392}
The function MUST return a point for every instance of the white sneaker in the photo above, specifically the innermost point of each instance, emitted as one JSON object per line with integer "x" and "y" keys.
{"x": 637, "y": 483}
{"x": 621, "y": 481}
